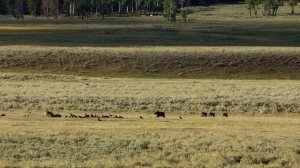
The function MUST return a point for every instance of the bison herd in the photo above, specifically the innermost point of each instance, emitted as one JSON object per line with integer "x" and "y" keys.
{"x": 99, "y": 117}
{"x": 212, "y": 114}
{"x": 53, "y": 115}
{"x": 157, "y": 113}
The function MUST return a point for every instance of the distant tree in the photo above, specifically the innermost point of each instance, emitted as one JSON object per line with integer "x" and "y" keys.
{"x": 148, "y": 5}
{"x": 170, "y": 10}
{"x": 19, "y": 9}
{"x": 15, "y": 8}
{"x": 2, "y": 7}
{"x": 184, "y": 12}
{"x": 34, "y": 7}
{"x": 82, "y": 8}
{"x": 110, "y": 4}
{"x": 271, "y": 7}
{"x": 121, "y": 4}
{"x": 69, "y": 7}
{"x": 101, "y": 6}
{"x": 252, "y": 6}
{"x": 293, "y": 3}
{"x": 10, "y": 6}
{"x": 50, "y": 8}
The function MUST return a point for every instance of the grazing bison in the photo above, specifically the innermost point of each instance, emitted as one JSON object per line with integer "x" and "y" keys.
{"x": 211, "y": 114}
{"x": 72, "y": 115}
{"x": 105, "y": 116}
{"x": 141, "y": 117}
{"x": 99, "y": 119}
{"x": 49, "y": 114}
{"x": 225, "y": 114}
{"x": 86, "y": 116}
{"x": 160, "y": 114}
{"x": 204, "y": 114}
{"x": 180, "y": 117}
{"x": 57, "y": 115}
{"x": 2, "y": 115}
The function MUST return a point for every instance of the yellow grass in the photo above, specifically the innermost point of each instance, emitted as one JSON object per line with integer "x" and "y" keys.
{"x": 32, "y": 92}
{"x": 237, "y": 141}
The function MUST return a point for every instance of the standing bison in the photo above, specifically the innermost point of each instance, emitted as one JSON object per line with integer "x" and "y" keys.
{"x": 225, "y": 114}
{"x": 211, "y": 114}
{"x": 204, "y": 114}
{"x": 160, "y": 114}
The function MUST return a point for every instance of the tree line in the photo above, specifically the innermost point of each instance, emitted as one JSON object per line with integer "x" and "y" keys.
{"x": 269, "y": 7}
{"x": 101, "y": 8}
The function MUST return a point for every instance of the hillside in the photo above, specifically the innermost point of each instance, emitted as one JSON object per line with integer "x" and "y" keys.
{"x": 166, "y": 62}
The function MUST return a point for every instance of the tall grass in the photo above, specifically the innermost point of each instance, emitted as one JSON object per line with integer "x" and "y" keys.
{"x": 71, "y": 93}
{"x": 192, "y": 142}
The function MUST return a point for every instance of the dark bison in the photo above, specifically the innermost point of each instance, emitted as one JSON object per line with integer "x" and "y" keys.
{"x": 73, "y": 116}
{"x": 2, "y": 115}
{"x": 86, "y": 116}
{"x": 180, "y": 117}
{"x": 160, "y": 114}
{"x": 105, "y": 116}
{"x": 204, "y": 114}
{"x": 225, "y": 114}
{"x": 141, "y": 117}
{"x": 211, "y": 114}
{"x": 57, "y": 115}
{"x": 49, "y": 114}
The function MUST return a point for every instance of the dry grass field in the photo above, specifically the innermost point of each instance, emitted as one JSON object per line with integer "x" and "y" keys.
{"x": 156, "y": 62}
{"x": 38, "y": 92}
{"x": 237, "y": 141}
{"x": 261, "y": 130}
{"x": 222, "y": 60}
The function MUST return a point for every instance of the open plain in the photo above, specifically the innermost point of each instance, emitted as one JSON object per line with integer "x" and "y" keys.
{"x": 221, "y": 61}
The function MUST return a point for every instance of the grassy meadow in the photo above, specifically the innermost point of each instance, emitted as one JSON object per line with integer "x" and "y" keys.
{"x": 156, "y": 62}
{"x": 38, "y": 92}
{"x": 221, "y": 60}
{"x": 222, "y": 25}
{"x": 237, "y": 141}
{"x": 261, "y": 130}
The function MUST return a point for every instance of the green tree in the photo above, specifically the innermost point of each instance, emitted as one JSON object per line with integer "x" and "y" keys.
{"x": 101, "y": 6}
{"x": 170, "y": 10}
{"x": 50, "y": 8}
{"x": 9, "y": 4}
{"x": 110, "y": 4}
{"x": 34, "y": 7}
{"x": 271, "y": 7}
{"x": 293, "y": 3}
{"x": 83, "y": 7}
{"x": 252, "y": 6}
{"x": 184, "y": 4}
{"x": 15, "y": 8}
{"x": 148, "y": 5}
{"x": 2, "y": 7}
